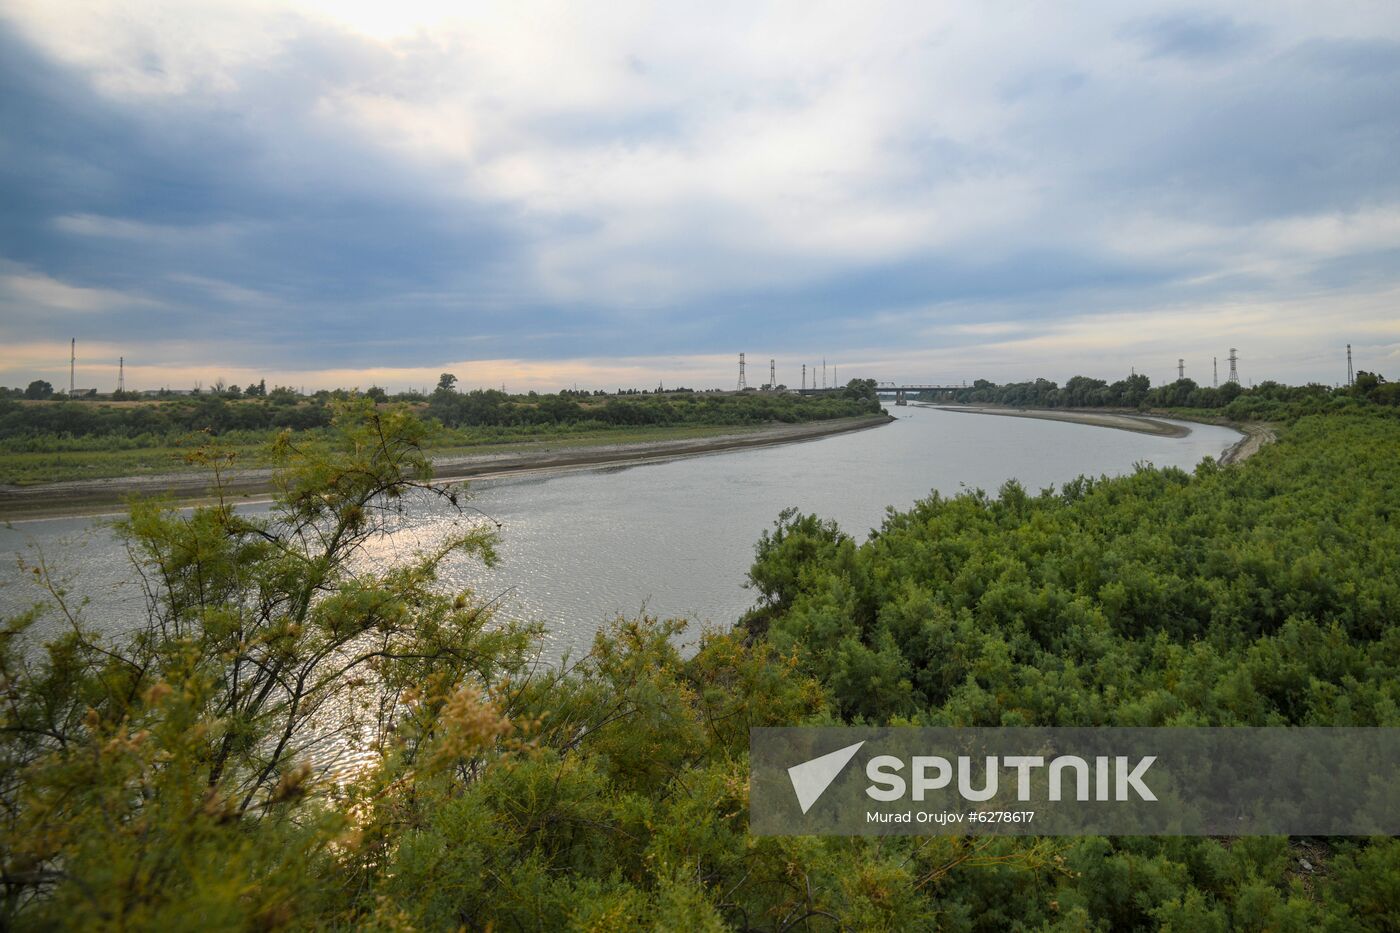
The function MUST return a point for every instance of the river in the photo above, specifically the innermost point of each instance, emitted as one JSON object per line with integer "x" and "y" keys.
{"x": 672, "y": 538}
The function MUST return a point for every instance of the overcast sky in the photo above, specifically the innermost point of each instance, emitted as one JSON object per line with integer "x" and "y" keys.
{"x": 337, "y": 192}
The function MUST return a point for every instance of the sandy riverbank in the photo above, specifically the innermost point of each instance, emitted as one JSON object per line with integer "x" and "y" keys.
{"x": 1256, "y": 435}
{"x": 1101, "y": 419}
{"x": 89, "y": 497}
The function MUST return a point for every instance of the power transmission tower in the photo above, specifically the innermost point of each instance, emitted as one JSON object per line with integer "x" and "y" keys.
{"x": 823, "y": 372}
{"x": 1351, "y": 373}
{"x": 804, "y": 377}
{"x": 772, "y": 375}
{"x": 1234, "y": 373}
{"x": 742, "y": 384}
{"x": 121, "y": 374}
{"x": 1215, "y": 371}
{"x": 72, "y": 362}
{"x": 1180, "y": 369}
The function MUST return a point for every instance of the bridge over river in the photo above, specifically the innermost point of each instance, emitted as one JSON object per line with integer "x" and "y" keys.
{"x": 887, "y": 389}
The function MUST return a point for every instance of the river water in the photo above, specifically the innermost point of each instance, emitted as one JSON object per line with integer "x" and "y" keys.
{"x": 672, "y": 538}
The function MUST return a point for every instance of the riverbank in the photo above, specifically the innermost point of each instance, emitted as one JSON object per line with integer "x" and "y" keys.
{"x": 1256, "y": 434}
{"x": 86, "y": 497}
{"x": 1094, "y": 417}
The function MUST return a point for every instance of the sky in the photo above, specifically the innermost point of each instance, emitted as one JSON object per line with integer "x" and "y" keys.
{"x": 327, "y": 193}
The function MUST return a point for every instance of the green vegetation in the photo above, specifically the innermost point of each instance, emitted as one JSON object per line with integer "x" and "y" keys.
{"x": 1268, "y": 401}
{"x": 1256, "y": 596}
{"x": 58, "y": 440}
{"x": 160, "y": 779}
{"x": 492, "y": 408}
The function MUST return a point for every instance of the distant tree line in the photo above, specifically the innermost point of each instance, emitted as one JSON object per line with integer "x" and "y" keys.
{"x": 278, "y": 408}
{"x": 43, "y": 390}
{"x": 492, "y": 408}
{"x": 179, "y": 416}
{"x": 1268, "y": 400}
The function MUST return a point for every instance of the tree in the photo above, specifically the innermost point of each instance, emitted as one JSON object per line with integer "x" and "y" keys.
{"x": 1082, "y": 391}
{"x": 860, "y": 389}
{"x": 377, "y": 394}
{"x": 446, "y": 382}
{"x": 1132, "y": 391}
{"x": 147, "y": 752}
{"x": 38, "y": 389}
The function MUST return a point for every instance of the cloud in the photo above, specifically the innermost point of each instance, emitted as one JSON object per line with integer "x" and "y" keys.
{"x": 322, "y": 188}
{"x": 1192, "y": 36}
{"x": 37, "y": 296}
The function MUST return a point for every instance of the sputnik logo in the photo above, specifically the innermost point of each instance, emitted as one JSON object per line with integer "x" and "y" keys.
{"x": 811, "y": 778}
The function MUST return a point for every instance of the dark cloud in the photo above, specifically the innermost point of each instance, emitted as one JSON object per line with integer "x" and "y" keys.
{"x": 325, "y": 239}
{"x": 1311, "y": 128}
{"x": 1194, "y": 37}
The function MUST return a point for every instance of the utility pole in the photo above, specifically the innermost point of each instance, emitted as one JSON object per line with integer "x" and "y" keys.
{"x": 72, "y": 362}
{"x": 1351, "y": 373}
